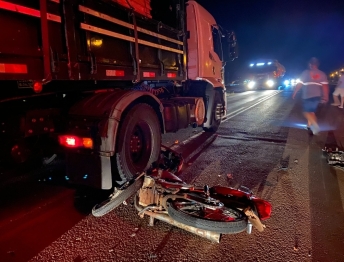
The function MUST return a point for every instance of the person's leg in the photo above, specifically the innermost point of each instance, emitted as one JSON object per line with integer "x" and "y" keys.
{"x": 335, "y": 101}
{"x": 341, "y": 102}
{"x": 309, "y": 108}
{"x": 341, "y": 93}
{"x": 335, "y": 98}
{"x": 311, "y": 118}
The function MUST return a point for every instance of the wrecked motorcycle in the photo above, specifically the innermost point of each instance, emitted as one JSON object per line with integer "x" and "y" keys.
{"x": 205, "y": 211}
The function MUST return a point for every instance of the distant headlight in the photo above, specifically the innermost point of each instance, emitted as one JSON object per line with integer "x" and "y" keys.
{"x": 298, "y": 80}
{"x": 251, "y": 84}
{"x": 270, "y": 83}
{"x": 286, "y": 82}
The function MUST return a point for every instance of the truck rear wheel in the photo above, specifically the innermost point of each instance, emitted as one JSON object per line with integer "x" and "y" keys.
{"x": 138, "y": 142}
{"x": 216, "y": 114}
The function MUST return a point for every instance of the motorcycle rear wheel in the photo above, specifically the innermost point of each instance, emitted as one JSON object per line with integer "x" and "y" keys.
{"x": 222, "y": 220}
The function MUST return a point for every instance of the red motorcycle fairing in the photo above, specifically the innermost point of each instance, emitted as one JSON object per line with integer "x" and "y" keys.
{"x": 225, "y": 191}
{"x": 263, "y": 208}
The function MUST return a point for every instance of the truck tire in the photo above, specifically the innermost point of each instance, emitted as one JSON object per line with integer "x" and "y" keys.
{"x": 138, "y": 142}
{"x": 216, "y": 120}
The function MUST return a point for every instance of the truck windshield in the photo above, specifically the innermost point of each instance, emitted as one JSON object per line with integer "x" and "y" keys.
{"x": 262, "y": 69}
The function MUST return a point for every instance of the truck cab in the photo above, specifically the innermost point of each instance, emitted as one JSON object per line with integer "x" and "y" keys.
{"x": 264, "y": 74}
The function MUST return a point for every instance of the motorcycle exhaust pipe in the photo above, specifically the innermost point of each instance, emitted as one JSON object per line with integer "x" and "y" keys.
{"x": 212, "y": 236}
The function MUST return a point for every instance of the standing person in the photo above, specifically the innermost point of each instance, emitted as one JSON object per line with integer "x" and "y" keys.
{"x": 339, "y": 91}
{"x": 315, "y": 89}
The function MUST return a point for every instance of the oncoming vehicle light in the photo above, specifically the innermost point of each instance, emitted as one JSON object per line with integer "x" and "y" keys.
{"x": 251, "y": 84}
{"x": 270, "y": 83}
{"x": 75, "y": 141}
{"x": 286, "y": 82}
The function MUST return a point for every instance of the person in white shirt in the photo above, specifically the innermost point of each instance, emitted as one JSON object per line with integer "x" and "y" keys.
{"x": 314, "y": 86}
{"x": 339, "y": 91}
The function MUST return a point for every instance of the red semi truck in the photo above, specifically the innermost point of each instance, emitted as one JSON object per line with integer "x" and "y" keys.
{"x": 106, "y": 79}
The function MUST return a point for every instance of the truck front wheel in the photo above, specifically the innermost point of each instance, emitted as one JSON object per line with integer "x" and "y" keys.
{"x": 138, "y": 143}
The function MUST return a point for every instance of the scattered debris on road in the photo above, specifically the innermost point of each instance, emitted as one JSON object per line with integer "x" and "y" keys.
{"x": 334, "y": 157}
{"x": 282, "y": 168}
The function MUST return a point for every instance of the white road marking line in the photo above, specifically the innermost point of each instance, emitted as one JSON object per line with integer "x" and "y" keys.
{"x": 225, "y": 118}
{"x": 243, "y": 109}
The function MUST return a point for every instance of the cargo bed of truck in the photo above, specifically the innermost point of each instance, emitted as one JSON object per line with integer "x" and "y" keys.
{"x": 48, "y": 42}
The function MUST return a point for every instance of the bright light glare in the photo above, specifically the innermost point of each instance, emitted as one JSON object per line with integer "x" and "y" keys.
{"x": 251, "y": 84}
{"x": 298, "y": 80}
{"x": 270, "y": 83}
{"x": 260, "y": 64}
{"x": 70, "y": 141}
{"x": 286, "y": 82}
{"x": 269, "y": 63}
{"x": 251, "y": 65}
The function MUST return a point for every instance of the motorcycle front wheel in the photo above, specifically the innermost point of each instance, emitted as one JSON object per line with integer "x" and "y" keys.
{"x": 223, "y": 220}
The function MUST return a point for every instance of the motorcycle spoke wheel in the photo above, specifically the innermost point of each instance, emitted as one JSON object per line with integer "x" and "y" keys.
{"x": 112, "y": 203}
{"x": 217, "y": 219}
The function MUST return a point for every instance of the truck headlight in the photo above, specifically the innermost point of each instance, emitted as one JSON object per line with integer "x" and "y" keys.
{"x": 270, "y": 83}
{"x": 251, "y": 84}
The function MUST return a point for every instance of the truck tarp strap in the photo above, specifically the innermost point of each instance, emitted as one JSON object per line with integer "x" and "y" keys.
{"x": 137, "y": 57}
{"x": 45, "y": 40}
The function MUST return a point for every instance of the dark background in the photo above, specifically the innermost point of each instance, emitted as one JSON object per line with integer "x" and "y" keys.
{"x": 287, "y": 30}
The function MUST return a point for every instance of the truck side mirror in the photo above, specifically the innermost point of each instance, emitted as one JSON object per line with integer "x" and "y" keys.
{"x": 232, "y": 46}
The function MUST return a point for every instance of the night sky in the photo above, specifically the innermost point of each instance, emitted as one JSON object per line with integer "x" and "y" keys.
{"x": 291, "y": 31}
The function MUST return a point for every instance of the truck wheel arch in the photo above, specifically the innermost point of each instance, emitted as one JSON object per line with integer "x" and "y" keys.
{"x": 123, "y": 105}
{"x": 109, "y": 108}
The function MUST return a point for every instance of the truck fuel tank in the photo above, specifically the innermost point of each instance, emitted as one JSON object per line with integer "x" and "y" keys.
{"x": 181, "y": 112}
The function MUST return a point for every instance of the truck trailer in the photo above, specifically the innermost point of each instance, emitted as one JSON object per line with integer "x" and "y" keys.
{"x": 105, "y": 79}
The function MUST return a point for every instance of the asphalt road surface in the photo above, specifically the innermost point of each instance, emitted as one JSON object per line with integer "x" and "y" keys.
{"x": 261, "y": 144}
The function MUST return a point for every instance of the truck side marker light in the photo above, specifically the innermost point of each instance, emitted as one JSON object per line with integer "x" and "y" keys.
{"x": 75, "y": 141}
{"x": 87, "y": 142}
{"x": 148, "y": 74}
{"x": 115, "y": 73}
{"x": 171, "y": 75}
{"x": 13, "y": 68}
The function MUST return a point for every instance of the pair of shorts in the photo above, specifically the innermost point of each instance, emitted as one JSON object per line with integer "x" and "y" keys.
{"x": 339, "y": 92}
{"x": 311, "y": 104}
